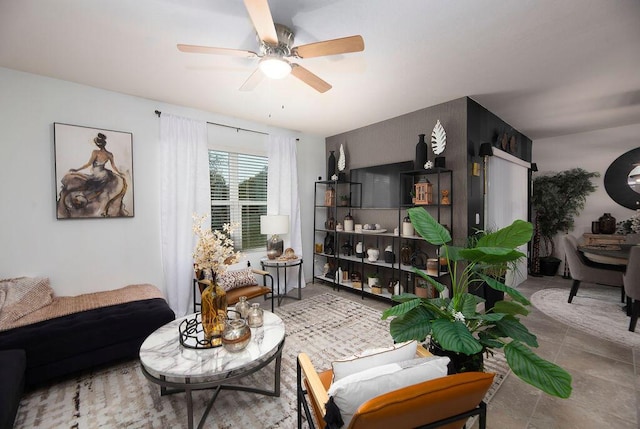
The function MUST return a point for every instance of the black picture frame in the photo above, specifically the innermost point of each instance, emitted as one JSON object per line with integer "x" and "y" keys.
{"x": 93, "y": 172}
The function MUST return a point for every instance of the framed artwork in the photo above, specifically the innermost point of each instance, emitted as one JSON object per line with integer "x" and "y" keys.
{"x": 94, "y": 172}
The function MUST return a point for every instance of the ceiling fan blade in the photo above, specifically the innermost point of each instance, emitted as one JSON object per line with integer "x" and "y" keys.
{"x": 262, "y": 20}
{"x": 330, "y": 47}
{"x": 194, "y": 49}
{"x": 309, "y": 78}
{"x": 252, "y": 81}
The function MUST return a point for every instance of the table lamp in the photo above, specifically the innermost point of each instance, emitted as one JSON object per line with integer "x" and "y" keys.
{"x": 274, "y": 225}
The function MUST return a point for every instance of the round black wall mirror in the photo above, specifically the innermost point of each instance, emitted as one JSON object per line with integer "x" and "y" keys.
{"x": 622, "y": 179}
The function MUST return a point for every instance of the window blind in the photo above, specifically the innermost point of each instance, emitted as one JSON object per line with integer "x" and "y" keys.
{"x": 239, "y": 195}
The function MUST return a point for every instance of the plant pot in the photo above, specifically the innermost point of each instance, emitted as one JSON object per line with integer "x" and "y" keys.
{"x": 459, "y": 362}
{"x": 486, "y": 292}
{"x": 549, "y": 265}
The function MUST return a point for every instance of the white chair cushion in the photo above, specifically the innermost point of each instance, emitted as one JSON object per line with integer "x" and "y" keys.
{"x": 372, "y": 358}
{"x": 354, "y": 390}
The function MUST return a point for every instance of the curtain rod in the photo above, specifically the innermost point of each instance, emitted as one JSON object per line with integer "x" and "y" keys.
{"x": 226, "y": 126}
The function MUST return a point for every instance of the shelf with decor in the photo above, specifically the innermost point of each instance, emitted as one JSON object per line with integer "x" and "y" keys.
{"x": 432, "y": 190}
{"x": 340, "y": 252}
{"x": 333, "y": 201}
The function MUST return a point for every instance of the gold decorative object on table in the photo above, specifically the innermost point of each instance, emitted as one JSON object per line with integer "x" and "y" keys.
{"x": 236, "y": 335}
{"x": 288, "y": 255}
{"x": 214, "y": 313}
{"x": 213, "y": 253}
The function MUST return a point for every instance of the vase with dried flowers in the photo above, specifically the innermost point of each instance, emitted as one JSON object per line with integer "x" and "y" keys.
{"x": 211, "y": 256}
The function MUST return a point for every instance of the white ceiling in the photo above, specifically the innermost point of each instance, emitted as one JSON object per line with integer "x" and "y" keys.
{"x": 548, "y": 67}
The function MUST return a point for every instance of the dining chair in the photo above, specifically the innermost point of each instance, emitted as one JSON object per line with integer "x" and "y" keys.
{"x": 445, "y": 402}
{"x": 581, "y": 272}
{"x": 631, "y": 279}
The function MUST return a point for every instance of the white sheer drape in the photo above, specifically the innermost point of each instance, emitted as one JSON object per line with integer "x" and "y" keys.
{"x": 282, "y": 192}
{"x": 185, "y": 190}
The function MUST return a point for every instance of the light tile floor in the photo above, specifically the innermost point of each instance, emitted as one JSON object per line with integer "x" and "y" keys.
{"x": 606, "y": 376}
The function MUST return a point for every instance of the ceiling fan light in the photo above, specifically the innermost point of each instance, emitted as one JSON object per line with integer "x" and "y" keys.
{"x": 275, "y": 68}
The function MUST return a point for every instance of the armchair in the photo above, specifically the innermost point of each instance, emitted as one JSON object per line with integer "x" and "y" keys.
{"x": 442, "y": 402}
{"x": 580, "y": 271}
{"x": 233, "y": 295}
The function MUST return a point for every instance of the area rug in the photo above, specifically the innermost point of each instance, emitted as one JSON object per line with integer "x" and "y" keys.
{"x": 325, "y": 327}
{"x": 596, "y": 310}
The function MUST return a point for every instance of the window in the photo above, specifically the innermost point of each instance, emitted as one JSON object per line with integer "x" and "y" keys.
{"x": 239, "y": 195}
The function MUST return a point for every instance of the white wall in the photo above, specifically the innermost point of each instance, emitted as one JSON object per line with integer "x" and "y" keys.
{"x": 592, "y": 151}
{"x": 86, "y": 255}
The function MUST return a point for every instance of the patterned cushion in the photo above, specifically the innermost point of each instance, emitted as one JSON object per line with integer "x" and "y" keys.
{"x": 237, "y": 278}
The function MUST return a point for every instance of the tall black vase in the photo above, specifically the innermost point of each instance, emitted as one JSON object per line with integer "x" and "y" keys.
{"x": 421, "y": 153}
{"x": 331, "y": 165}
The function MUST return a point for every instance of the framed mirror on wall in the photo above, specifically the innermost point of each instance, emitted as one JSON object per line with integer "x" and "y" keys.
{"x": 622, "y": 179}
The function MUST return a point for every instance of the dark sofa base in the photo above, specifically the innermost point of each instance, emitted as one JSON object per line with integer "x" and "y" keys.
{"x": 67, "y": 345}
{"x": 12, "y": 365}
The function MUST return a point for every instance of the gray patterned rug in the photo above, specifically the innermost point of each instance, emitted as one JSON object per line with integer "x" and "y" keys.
{"x": 596, "y": 310}
{"x": 325, "y": 327}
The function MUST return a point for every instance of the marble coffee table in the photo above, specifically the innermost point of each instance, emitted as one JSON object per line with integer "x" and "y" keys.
{"x": 176, "y": 368}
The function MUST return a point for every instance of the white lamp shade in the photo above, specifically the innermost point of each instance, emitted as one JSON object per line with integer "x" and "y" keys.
{"x": 274, "y": 67}
{"x": 274, "y": 224}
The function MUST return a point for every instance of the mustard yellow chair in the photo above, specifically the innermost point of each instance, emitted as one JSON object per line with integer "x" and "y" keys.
{"x": 445, "y": 402}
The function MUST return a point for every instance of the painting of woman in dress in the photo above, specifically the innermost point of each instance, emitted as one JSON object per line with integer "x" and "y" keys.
{"x": 99, "y": 186}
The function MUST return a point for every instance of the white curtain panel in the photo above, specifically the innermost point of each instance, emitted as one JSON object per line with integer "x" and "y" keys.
{"x": 185, "y": 190}
{"x": 507, "y": 201}
{"x": 282, "y": 194}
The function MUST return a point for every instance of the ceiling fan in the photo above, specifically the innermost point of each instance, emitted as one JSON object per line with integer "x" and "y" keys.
{"x": 276, "y": 50}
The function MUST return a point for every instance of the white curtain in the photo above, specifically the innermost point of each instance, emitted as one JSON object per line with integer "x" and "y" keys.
{"x": 507, "y": 201}
{"x": 282, "y": 193}
{"x": 185, "y": 190}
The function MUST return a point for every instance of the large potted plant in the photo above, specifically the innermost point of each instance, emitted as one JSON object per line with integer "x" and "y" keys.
{"x": 557, "y": 199}
{"x": 456, "y": 326}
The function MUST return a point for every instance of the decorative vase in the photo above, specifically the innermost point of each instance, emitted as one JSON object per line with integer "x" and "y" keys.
{"x": 329, "y": 245}
{"x": 236, "y": 335}
{"x": 421, "y": 153}
{"x": 373, "y": 254}
{"x": 459, "y": 361}
{"x": 389, "y": 256}
{"x": 242, "y": 307}
{"x": 407, "y": 227}
{"x": 607, "y": 224}
{"x": 256, "y": 316}
{"x": 331, "y": 166}
{"x": 405, "y": 254}
{"x": 348, "y": 222}
{"x": 214, "y": 313}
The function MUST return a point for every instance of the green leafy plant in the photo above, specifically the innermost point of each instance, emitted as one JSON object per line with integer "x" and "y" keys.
{"x": 557, "y": 199}
{"x": 456, "y": 324}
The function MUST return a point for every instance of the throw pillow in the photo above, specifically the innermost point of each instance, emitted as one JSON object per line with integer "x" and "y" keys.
{"x": 237, "y": 278}
{"x": 372, "y": 358}
{"x": 354, "y": 390}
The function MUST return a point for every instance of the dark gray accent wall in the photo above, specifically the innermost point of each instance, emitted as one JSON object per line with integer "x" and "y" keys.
{"x": 467, "y": 125}
{"x": 483, "y": 126}
{"x": 395, "y": 139}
